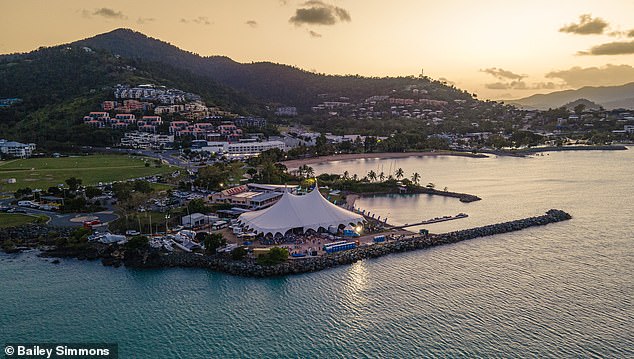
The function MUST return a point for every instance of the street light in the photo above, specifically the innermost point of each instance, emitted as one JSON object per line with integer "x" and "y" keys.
{"x": 167, "y": 217}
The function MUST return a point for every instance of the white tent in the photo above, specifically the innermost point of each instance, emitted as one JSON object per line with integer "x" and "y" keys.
{"x": 311, "y": 211}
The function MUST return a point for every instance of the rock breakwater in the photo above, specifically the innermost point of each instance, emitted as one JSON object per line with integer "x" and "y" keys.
{"x": 311, "y": 264}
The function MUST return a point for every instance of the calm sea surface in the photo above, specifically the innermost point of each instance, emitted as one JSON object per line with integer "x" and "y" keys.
{"x": 564, "y": 290}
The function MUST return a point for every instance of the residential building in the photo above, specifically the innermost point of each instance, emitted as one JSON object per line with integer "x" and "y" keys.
{"x": 286, "y": 111}
{"x": 16, "y": 149}
{"x": 144, "y": 140}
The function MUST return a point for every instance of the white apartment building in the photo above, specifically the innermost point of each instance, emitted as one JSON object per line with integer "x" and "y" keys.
{"x": 16, "y": 149}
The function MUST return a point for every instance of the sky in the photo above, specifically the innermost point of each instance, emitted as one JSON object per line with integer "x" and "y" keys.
{"x": 497, "y": 49}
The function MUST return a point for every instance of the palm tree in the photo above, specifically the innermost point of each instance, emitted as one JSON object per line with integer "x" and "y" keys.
{"x": 399, "y": 173}
{"x": 415, "y": 178}
{"x": 310, "y": 172}
{"x": 372, "y": 175}
{"x": 381, "y": 176}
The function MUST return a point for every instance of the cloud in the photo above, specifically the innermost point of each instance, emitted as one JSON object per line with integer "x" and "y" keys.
{"x": 109, "y": 13}
{"x": 611, "y": 48}
{"x": 586, "y": 26}
{"x": 252, "y": 23}
{"x": 314, "y": 34}
{"x": 316, "y": 12}
{"x": 143, "y": 20}
{"x": 608, "y": 75}
{"x": 201, "y": 20}
{"x": 502, "y": 74}
{"x": 104, "y": 12}
{"x": 522, "y": 85}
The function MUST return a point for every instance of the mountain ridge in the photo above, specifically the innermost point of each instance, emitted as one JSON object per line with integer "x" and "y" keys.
{"x": 610, "y": 97}
{"x": 266, "y": 81}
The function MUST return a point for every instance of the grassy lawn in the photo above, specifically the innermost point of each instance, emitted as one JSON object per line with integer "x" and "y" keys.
{"x": 45, "y": 172}
{"x": 12, "y": 220}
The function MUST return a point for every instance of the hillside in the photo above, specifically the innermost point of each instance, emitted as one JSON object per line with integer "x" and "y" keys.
{"x": 269, "y": 82}
{"x": 610, "y": 97}
{"x": 587, "y": 104}
{"x": 59, "y": 85}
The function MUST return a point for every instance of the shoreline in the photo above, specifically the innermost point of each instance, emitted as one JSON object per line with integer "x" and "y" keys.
{"x": 113, "y": 255}
{"x": 249, "y": 268}
{"x": 294, "y": 164}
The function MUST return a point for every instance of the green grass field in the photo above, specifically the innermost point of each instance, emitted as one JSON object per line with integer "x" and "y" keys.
{"x": 45, "y": 172}
{"x": 12, "y": 220}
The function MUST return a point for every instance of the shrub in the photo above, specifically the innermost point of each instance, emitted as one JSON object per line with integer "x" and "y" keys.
{"x": 238, "y": 253}
{"x": 137, "y": 242}
{"x": 275, "y": 256}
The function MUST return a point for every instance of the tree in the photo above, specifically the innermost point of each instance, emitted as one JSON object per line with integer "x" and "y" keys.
{"x": 415, "y": 178}
{"x": 121, "y": 190}
{"x": 73, "y": 183}
{"x": 142, "y": 186}
{"x": 197, "y": 206}
{"x": 211, "y": 242}
{"x": 275, "y": 256}
{"x": 310, "y": 172}
{"x": 22, "y": 192}
{"x": 399, "y": 173}
{"x": 137, "y": 242}
{"x": 346, "y": 175}
{"x": 579, "y": 108}
{"x": 372, "y": 175}
{"x": 381, "y": 176}
{"x": 238, "y": 253}
{"x": 92, "y": 192}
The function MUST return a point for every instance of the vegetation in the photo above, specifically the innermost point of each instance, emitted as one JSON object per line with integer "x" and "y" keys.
{"x": 238, "y": 253}
{"x": 264, "y": 80}
{"x": 46, "y": 172}
{"x": 137, "y": 242}
{"x": 220, "y": 175}
{"x": 78, "y": 240}
{"x": 8, "y": 245}
{"x": 275, "y": 256}
{"x": 211, "y": 241}
{"x": 14, "y": 220}
{"x": 59, "y": 85}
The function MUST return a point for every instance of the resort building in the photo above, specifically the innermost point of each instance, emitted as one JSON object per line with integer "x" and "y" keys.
{"x": 145, "y": 140}
{"x": 16, "y": 149}
{"x": 246, "y": 196}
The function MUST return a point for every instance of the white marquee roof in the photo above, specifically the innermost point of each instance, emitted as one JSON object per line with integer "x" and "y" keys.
{"x": 311, "y": 211}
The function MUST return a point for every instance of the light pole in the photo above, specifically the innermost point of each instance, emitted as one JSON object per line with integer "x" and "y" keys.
{"x": 167, "y": 217}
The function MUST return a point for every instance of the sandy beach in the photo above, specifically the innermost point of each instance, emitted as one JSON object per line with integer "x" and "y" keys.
{"x": 293, "y": 164}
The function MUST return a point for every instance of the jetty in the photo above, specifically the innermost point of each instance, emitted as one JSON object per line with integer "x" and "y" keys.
{"x": 433, "y": 220}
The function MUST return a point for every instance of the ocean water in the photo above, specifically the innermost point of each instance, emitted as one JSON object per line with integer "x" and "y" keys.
{"x": 563, "y": 290}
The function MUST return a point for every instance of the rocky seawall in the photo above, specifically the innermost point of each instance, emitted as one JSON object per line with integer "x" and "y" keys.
{"x": 36, "y": 236}
{"x": 311, "y": 264}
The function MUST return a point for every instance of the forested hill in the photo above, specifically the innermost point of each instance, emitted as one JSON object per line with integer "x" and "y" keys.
{"x": 266, "y": 81}
{"x": 59, "y": 85}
